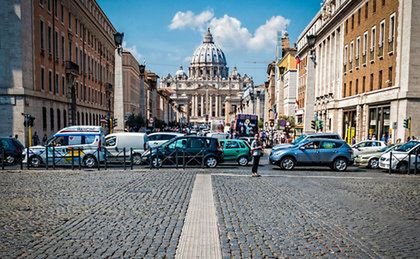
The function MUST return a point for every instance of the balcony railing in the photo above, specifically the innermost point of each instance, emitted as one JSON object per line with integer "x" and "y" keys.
{"x": 391, "y": 45}
{"x": 372, "y": 55}
{"x": 381, "y": 51}
{"x": 357, "y": 62}
{"x": 350, "y": 65}
{"x": 364, "y": 59}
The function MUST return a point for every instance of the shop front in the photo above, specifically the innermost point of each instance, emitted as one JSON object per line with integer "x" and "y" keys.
{"x": 349, "y": 126}
{"x": 379, "y": 121}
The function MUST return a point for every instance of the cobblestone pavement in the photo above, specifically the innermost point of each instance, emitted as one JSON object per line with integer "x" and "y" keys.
{"x": 140, "y": 213}
{"x": 94, "y": 214}
{"x": 318, "y": 213}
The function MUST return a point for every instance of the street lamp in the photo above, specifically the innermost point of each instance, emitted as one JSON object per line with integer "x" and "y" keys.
{"x": 311, "y": 38}
{"x": 118, "y": 39}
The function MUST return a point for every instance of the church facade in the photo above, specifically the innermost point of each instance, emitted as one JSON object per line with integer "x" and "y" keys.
{"x": 209, "y": 92}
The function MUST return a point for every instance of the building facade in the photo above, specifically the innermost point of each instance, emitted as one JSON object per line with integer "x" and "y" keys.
{"x": 361, "y": 80}
{"x": 131, "y": 83}
{"x": 46, "y": 39}
{"x": 208, "y": 92}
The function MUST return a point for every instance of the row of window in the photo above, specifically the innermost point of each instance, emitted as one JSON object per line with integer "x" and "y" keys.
{"x": 360, "y": 46}
{"x": 359, "y": 14}
{"x": 362, "y": 89}
{"x": 83, "y": 118}
{"x": 93, "y": 68}
{"x": 96, "y": 13}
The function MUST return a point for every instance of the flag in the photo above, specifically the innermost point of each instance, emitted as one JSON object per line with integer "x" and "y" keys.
{"x": 297, "y": 59}
{"x": 297, "y": 102}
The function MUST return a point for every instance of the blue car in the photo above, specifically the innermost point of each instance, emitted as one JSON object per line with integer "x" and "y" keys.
{"x": 336, "y": 154}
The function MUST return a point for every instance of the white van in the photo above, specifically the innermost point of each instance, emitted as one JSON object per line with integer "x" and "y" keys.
{"x": 116, "y": 142}
{"x": 70, "y": 141}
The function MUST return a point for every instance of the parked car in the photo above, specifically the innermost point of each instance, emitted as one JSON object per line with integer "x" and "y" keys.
{"x": 158, "y": 138}
{"x": 314, "y": 152}
{"x": 86, "y": 139}
{"x": 189, "y": 149}
{"x": 248, "y": 139}
{"x": 400, "y": 157}
{"x": 308, "y": 136}
{"x": 116, "y": 142}
{"x": 236, "y": 150}
{"x": 367, "y": 146}
{"x": 218, "y": 135}
{"x": 371, "y": 159}
{"x": 10, "y": 150}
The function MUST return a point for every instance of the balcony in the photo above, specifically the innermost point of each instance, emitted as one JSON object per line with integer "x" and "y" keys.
{"x": 391, "y": 45}
{"x": 71, "y": 68}
{"x": 372, "y": 55}
{"x": 381, "y": 51}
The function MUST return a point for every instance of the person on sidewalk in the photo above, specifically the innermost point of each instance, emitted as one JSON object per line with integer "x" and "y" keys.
{"x": 256, "y": 149}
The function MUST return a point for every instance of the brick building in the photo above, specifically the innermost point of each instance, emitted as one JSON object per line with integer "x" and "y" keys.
{"x": 44, "y": 36}
{"x": 359, "y": 70}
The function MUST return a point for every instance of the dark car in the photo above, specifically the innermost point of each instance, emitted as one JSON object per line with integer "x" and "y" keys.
{"x": 186, "y": 150}
{"x": 336, "y": 154}
{"x": 10, "y": 150}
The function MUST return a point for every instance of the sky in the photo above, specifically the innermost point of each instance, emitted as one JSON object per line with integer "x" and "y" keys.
{"x": 164, "y": 34}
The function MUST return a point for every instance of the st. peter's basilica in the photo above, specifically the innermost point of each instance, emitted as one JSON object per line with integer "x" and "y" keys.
{"x": 208, "y": 92}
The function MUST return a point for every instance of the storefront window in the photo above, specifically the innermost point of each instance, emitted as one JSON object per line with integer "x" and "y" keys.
{"x": 349, "y": 129}
{"x": 379, "y": 122}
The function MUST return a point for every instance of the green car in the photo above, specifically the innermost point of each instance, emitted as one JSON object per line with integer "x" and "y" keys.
{"x": 236, "y": 150}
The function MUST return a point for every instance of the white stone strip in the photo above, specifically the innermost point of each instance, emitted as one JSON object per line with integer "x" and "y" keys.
{"x": 200, "y": 235}
{"x": 298, "y": 176}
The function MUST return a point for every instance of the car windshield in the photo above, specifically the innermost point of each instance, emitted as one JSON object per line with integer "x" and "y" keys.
{"x": 387, "y": 149}
{"x": 407, "y": 146}
{"x": 299, "y": 139}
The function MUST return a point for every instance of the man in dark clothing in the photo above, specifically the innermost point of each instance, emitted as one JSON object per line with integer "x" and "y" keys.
{"x": 256, "y": 151}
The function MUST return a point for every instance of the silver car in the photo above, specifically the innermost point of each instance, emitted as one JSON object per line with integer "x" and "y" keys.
{"x": 158, "y": 138}
{"x": 371, "y": 159}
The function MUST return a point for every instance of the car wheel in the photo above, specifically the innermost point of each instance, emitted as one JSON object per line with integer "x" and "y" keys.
{"x": 211, "y": 162}
{"x": 35, "y": 161}
{"x": 10, "y": 160}
{"x": 287, "y": 163}
{"x": 90, "y": 161}
{"x": 156, "y": 162}
{"x": 402, "y": 167}
{"x": 374, "y": 163}
{"x": 136, "y": 159}
{"x": 243, "y": 161}
{"x": 340, "y": 164}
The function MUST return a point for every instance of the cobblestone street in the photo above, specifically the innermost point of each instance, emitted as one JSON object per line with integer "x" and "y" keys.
{"x": 141, "y": 213}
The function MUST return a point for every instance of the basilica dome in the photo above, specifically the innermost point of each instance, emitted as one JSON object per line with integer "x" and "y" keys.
{"x": 208, "y": 60}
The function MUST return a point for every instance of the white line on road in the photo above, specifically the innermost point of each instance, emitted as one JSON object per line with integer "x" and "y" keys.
{"x": 200, "y": 235}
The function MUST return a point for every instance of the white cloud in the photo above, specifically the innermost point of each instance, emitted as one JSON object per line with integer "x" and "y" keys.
{"x": 188, "y": 19}
{"x": 133, "y": 50}
{"x": 229, "y": 32}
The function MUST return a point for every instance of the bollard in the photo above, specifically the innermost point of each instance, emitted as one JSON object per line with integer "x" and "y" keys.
{"x": 46, "y": 157}
{"x": 27, "y": 158}
{"x": 125, "y": 167}
{"x": 183, "y": 159}
{"x": 415, "y": 161}
{"x": 53, "y": 157}
{"x": 409, "y": 163}
{"x": 150, "y": 159}
{"x": 131, "y": 158}
{"x": 21, "y": 162}
{"x": 2, "y": 159}
{"x": 72, "y": 158}
{"x": 78, "y": 156}
{"x": 99, "y": 159}
{"x": 106, "y": 159}
{"x": 202, "y": 159}
{"x": 176, "y": 158}
{"x": 390, "y": 160}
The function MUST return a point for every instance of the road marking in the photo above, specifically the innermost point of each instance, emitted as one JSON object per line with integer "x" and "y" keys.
{"x": 200, "y": 235}
{"x": 299, "y": 176}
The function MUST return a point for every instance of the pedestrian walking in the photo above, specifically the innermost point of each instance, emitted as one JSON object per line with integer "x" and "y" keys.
{"x": 256, "y": 149}
{"x": 44, "y": 139}
{"x": 35, "y": 139}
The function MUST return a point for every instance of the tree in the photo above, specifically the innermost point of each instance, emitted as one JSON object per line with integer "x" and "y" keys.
{"x": 135, "y": 122}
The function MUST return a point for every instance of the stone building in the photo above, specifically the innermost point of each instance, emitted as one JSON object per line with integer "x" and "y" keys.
{"x": 358, "y": 74}
{"x": 46, "y": 40}
{"x": 208, "y": 92}
{"x": 131, "y": 83}
{"x": 253, "y": 101}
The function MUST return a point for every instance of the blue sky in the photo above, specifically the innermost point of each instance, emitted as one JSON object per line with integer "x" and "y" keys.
{"x": 166, "y": 33}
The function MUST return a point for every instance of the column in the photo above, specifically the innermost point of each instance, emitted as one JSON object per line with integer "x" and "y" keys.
{"x": 217, "y": 106}
{"x": 193, "y": 105}
{"x": 202, "y": 105}
{"x": 210, "y": 103}
{"x": 118, "y": 92}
